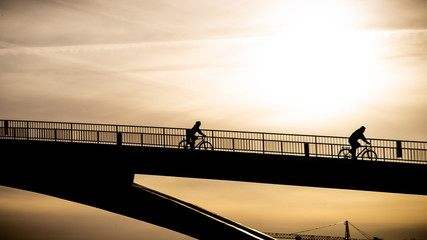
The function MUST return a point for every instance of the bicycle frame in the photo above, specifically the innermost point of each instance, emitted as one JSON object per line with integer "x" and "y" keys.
{"x": 365, "y": 148}
{"x": 366, "y": 153}
{"x": 202, "y": 144}
{"x": 202, "y": 140}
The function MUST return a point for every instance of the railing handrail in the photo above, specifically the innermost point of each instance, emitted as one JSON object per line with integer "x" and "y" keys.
{"x": 242, "y": 141}
{"x": 216, "y": 130}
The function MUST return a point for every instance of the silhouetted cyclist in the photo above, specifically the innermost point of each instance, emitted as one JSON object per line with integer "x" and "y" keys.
{"x": 354, "y": 141}
{"x": 191, "y": 137}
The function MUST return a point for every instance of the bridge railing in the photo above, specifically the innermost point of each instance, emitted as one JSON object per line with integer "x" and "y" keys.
{"x": 232, "y": 141}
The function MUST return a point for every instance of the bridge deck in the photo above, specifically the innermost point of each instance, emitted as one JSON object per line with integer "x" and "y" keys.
{"x": 235, "y": 166}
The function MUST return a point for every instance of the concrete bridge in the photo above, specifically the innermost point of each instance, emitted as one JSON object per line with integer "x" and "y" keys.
{"x": 94, "y": 164}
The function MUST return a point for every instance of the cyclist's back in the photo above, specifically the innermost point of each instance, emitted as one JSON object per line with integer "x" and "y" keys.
{"x": 358, "y": 134}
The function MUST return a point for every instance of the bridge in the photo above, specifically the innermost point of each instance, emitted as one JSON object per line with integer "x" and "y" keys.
{"x": 94, "y": 164}
{"x": 299, "y": 236}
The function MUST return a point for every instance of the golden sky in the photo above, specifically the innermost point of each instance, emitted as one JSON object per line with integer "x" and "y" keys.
{"x": 314, "y": 67}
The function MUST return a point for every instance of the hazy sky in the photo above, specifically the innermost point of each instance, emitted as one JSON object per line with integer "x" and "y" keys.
{"x": 313, "y": 67}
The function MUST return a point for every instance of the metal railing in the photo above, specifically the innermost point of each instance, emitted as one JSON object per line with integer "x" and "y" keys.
{"x": 233, "y": 141}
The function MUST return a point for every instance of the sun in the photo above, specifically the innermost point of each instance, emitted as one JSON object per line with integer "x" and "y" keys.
{"x": 314, "y": 65}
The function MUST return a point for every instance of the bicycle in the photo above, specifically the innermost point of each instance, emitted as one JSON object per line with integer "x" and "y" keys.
{"x": 366, "y": 154}
{"x": 201, "y": 145}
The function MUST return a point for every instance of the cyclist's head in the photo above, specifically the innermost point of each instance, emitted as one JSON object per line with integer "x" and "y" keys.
{"x": 363, "y": 128}
{"x": 198, "y": 123}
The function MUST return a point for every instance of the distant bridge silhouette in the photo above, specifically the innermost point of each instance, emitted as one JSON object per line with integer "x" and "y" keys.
{"x": 300, "y": 236}
{"x": 94, "y": 164}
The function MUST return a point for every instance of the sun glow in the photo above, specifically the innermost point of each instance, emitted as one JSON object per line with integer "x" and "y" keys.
{"x": 314, "y": 64}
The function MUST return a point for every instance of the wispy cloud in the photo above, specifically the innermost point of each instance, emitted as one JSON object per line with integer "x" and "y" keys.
{"x": 115, "y": 11}
{"x": 10, "y": 48}
{"x": 14, "y": 49}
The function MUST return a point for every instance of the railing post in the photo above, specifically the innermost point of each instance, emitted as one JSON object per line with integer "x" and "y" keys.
{"x": 119, "y": 138}
{"x": 281, "y": 147}
{"x": 164, "y": 137}
{"x": 6, "y": 127}
{"x": 28, "y": 132}
{"x": 233, "y": 144}
{"x": 71, "y": 132}
{"x": 399, "y": 153}
{"x": 306, "y": 149}
{"x": 213, "y": 137}
{"x": 384, "y": 154}
{"x": 315, "y": 144}
{"x": 263, "y": 144}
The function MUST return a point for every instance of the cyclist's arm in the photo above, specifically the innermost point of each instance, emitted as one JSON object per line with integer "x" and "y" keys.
{"x": 366, "y": 141}
{"x": 201, "y": 133}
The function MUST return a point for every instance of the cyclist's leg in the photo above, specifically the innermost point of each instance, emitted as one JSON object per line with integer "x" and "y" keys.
{"x": 352, "y": 152}
{"x": 192, "y": 142}
{"x": 187, "y": 136}
{"x": 354, "y": 146}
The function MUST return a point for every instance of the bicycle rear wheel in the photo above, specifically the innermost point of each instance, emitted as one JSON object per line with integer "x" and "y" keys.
{"x": 206, "y": 146}
{"x": 183, "y": 144}
{"x": 344, "y": 154}
{"x": 369, "y": 155}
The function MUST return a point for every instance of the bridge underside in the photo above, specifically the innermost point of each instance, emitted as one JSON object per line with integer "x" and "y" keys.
{"x": 102, "y": 176}
{"x": 282, "y": 169}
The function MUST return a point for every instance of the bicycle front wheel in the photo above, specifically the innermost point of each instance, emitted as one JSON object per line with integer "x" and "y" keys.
{"x": 206, "y": 146}
{"x": 369, "y": 155}
{"x": 344, "y": 154}
{"x": 183, "y": 144}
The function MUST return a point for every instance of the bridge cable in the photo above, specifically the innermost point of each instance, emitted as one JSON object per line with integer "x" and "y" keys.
{"x": 367, "y": 236}
{"x": 319, "y": 227}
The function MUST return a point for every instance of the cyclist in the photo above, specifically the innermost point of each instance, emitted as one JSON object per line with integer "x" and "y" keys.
{"x": 191, "y": 138}
{"x": 354, "y": 141}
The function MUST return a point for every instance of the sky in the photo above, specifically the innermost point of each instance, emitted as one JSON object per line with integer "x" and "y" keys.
{"x": 306, "y": 67}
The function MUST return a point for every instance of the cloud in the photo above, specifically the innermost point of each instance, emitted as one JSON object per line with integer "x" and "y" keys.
{"x": 14, "y": 49}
